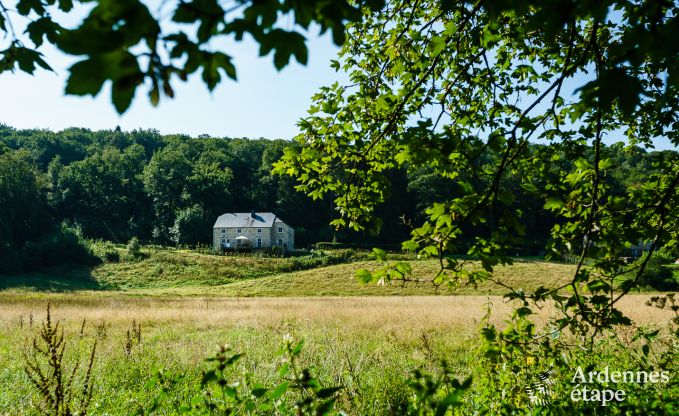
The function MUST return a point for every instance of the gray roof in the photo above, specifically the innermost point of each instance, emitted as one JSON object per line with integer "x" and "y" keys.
{"x": 245, "y": 220}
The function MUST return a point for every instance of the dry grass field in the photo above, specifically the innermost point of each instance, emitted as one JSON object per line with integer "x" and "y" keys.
{"x": 370, "y": 342}
{"x": 409, "y": 314}
{"x": 365, "y": 338}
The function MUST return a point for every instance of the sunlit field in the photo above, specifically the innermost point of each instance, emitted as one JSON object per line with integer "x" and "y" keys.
{"x": 368, "y": 345}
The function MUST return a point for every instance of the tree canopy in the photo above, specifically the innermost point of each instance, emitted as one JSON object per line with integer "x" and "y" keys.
{"x": 463, "y": 89}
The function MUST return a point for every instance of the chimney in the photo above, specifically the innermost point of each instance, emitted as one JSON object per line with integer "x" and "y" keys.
{"x": 253, "y": 214}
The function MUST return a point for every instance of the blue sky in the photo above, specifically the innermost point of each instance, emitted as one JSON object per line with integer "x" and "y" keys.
{"x": 262, "y": 103}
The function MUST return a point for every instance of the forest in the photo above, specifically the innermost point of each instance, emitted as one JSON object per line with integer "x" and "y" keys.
{"x": 113, "y": 185}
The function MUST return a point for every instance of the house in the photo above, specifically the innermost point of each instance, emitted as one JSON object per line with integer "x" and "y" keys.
{"x": 251, "y": 230}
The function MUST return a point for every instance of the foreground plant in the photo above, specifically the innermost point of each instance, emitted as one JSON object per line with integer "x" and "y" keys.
{"x": 223, "y": 392}
{"x": 63, "y": 391}
{"x": 463, "y": 90}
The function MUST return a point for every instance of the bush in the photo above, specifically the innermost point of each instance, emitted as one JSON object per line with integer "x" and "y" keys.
{"x": 65, "y": 245}
{"x": 106, "y": 251}
{"x": 134, "y": 248}
{"x": 657, "y": 273}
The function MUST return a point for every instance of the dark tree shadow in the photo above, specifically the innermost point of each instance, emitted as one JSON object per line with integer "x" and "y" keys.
{"x": 54, "y": 279}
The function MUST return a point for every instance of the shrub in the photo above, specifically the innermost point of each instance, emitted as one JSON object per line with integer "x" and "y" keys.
{"x": 657, "y": 275}
{"x": 106, "y": 251}
{"x": 134, "y": 248}
{"x": 64, "y": 245}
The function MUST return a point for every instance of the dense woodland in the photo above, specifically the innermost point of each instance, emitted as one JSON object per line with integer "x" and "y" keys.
{"x": 58, "y": 187}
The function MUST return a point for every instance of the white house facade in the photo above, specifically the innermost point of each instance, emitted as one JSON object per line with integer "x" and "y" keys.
{"x": 252, "y": 230}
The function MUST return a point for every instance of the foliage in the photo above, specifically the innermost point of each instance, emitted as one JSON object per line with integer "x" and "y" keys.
{"x": 519, "y": 374}
{"x": 223, "y": 395}
{"x": 64, "y": 391}
{"x": 657, "y": 274}
{"x": 433, "y": 394}
{"x": 21, "y": 206}
{"x": 106, "y": 251}
{"x": 461, "y": 92}
{"x": 190, "y": 226}
{"x": 63, "y": 246}
{"x": 134, "y": 248}
{"x": 114, "y": 185}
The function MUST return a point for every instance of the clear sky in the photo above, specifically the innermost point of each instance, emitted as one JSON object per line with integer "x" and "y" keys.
{"x": 262, "y": 103}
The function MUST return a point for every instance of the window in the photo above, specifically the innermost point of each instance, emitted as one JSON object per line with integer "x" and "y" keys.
{"x": 280, "y": 229}
{"x": 259, "y": 230}
{"x": 227, "y": 241}
{"x": 259, "y": 242}
{"x": 223, "y": 241}
{"x": 238, "y": 230}
{"x": 223, "y": 231}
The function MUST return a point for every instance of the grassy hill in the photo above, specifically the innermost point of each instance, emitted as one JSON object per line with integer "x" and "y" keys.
{"x": 339, "y": 280}
{"x": 172, "y": 271}
{"x": 162, "y": 267}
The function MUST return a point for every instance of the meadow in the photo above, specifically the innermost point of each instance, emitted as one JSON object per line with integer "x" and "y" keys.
{"x": 365, "y": 339}
{"x": 161, "y": 270}
{"x": 366, "y": 344}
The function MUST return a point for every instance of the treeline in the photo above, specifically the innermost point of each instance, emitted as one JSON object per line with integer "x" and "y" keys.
{"x": 56, "y": 187}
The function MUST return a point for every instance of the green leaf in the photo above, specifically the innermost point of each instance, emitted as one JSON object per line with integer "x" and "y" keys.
{"x": 297, "y": 348}
{"x": 437, "y": 45}
{"x": 230, "y": 392}
{"x": 234, "y": 358}
{"x": 27, "y": 59}
{"x": 259, "y": 391}
{"x": 212, "y": 64}
{"x": 24, "y": 7}
{"x": 43, "y": 27}
{"x": 86, "y": 77}
{"x": 326, "y": 407}
{"x": 66, "y": 5}
{"x": 364, "y": 276}
{"x": 327, "y": 392}
{"x": 553, "y": 204}
{"x": 279, "y": 391}
{"x": 380, "y": 254}
{"x": 284, "y": 44}
{"x": 122, "y": 92}
{"x": 452, "y": 399}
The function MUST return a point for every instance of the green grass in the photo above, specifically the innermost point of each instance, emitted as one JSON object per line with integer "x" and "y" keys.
{"x": 370, "y": 356}
{"x": 339, "y": 280}
{"x": 367, "y": 345}
{"x": 164, "y": 268}
{"x": 174, "y": 271}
